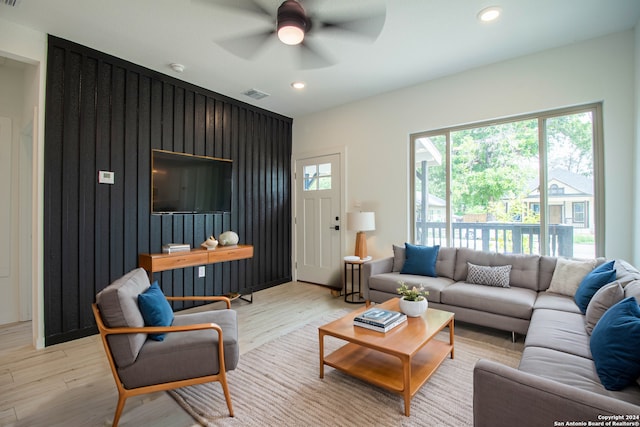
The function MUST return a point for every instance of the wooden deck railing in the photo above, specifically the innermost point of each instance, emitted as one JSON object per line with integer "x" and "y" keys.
{"x": 499, "y": 237}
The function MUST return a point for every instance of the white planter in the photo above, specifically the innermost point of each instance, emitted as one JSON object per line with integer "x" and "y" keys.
{"x": 413, "y": 308}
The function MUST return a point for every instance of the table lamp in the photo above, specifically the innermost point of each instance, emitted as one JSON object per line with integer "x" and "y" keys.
{"x": 361, "y": 222}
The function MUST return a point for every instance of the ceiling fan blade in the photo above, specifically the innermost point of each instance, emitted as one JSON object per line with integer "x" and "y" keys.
{"x": 368, "y": 27}
{"x": 246, "y": 46}
{"x": 240, "y": 5}
{"x": 312, "y": 57}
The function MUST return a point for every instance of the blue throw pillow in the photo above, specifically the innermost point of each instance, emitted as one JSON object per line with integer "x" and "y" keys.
{"x": 607, "y": 266}
{"x": 420, "y": 260}
{"x": 155, "y": 309}
{"x": 615, "y": 345}
{"x": 590, "y": 285}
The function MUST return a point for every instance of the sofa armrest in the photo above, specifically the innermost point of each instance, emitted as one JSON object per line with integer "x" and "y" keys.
{"x": 378, "y": 266}
{"x": 504, "y": 396}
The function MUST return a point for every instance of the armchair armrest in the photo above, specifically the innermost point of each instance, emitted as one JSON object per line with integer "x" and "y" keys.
{"x": 163, "y": 329}
{"x": 378, "y": 266}
{"x": 201, "y": 298}
{"x": 504, "y": 397}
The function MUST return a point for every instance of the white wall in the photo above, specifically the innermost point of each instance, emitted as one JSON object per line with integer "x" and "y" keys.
{"x": 29, "y": 46}
{"x": 636, "y": 174}
{"x": 376, "y": 130}
{"x": 10, "y": 110}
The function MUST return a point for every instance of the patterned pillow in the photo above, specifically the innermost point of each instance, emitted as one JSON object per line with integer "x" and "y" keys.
{"x": 490, "y": 276}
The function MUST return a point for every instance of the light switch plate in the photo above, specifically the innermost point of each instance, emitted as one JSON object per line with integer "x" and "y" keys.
{"x": 106, "y": 177}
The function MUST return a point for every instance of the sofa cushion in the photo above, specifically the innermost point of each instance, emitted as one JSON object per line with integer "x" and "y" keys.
{"x": 625, "y": 272}
{"x": 513, "y": 302}
{"x": 558, "y": 330}
{"x": 158, "y": 362}
{"x": 489, "y": 276}
{"x": 568, "y": 274}
{"x": 398, "y": 258}
{"x": 571, "y": 370}
{"x": 524, "y": 268}
{"x": 605, "y": 298}
{"x": 446, "y": 263}
{"x": 632, "y": 289}
{"x": 420, "y": 260}
{"x": 118, "y": 304}
{"x": 590, "y": 285}
{"x": 615, "y": 345}
{"x": 155, "y": 309}
{"x": 554, "y": 301}
{"x": 388, "y": 282}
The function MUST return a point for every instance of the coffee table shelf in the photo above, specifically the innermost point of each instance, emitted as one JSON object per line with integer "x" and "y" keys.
{"x": 385, "y": 370}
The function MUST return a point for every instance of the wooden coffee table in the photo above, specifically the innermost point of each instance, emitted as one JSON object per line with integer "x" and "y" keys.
{"x": 401, "y": 360}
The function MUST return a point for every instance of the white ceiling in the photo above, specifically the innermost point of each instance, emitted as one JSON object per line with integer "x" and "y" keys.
{"x": 421, "y": 40}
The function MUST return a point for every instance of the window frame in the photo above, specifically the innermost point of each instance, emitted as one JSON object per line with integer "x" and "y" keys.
{"x": 542, "y": 116}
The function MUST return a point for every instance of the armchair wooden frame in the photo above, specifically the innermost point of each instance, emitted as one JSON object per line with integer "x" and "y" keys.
{"x": 124, "y": 393}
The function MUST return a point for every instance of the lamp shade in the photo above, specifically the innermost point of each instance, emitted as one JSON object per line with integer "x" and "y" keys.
{"x": 361, "y": 221}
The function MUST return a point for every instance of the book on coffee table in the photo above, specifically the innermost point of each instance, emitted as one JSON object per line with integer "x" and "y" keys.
{"x": 379, "y": 320}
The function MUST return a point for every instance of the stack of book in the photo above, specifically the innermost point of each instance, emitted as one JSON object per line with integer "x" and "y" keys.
{"x": 379, "y": 320}
{"x": 170, "y": 248}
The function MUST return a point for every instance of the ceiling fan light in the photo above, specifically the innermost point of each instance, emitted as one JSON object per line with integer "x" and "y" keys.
{"x": 292, "y": 22}
{"x": 290, "y": 34}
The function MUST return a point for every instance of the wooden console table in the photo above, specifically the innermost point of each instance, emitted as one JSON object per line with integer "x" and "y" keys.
{"x": 154, "y": 263}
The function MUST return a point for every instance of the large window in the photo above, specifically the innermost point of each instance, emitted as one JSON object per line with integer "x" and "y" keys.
{"x": 528, "y": 184}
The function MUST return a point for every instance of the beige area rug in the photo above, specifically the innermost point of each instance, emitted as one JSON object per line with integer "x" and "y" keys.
{"x": 278, "y": 384}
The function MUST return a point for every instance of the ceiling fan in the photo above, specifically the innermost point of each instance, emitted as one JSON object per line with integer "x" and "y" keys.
{"x": 298, "y": 23}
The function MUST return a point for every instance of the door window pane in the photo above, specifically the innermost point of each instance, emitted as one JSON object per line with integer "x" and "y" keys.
{"x": 310, "y": 178}
{"x": 324, "y": 182}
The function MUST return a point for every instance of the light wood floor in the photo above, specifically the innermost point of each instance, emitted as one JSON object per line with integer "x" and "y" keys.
{"x": 70, "y": 384}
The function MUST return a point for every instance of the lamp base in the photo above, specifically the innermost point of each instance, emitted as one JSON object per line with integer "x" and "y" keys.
{"x": 361, "y": 245}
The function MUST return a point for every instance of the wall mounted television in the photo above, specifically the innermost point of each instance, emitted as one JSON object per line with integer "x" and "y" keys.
{"x": 185, "y": 183}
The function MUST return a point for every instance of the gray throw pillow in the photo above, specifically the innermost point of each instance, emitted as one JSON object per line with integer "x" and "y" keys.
{"x": 490, "y": 276}
{"x": 607, "y": 296}
{"x": 632, "y": 289}
{"x": 398, "y": 258}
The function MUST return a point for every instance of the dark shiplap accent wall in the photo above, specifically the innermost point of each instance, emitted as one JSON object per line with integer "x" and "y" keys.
{"x": 103, "y": 113}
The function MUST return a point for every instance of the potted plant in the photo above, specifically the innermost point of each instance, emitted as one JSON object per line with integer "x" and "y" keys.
{"x": 414, "y": 300}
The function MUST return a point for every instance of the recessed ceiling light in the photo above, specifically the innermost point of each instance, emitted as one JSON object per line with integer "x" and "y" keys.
{"x": 489, "y": 14}
{"x": 178, "y": 68}
{"x": 298, "y": 85}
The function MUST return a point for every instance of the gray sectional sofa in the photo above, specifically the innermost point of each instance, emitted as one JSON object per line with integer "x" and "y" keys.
{"x": 556, "y": 381}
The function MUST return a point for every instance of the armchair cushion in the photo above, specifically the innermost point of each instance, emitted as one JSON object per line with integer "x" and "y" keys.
{"x": 185, "y": 354}
{"x": 155, "y": 309}
{"x": 118, "y": 304}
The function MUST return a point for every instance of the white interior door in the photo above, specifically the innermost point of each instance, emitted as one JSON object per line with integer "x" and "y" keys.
{"x": 318, "y": 233}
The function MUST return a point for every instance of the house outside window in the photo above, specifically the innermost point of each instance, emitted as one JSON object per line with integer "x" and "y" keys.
{"x": 486, "y": 178}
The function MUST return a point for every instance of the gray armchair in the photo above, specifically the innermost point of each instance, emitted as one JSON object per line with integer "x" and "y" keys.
{"x": 197, "y": 348}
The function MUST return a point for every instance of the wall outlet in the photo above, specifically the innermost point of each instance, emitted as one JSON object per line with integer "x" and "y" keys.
{"x": 201, "y": 271}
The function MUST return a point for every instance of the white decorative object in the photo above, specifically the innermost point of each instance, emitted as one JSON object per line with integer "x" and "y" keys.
{"x": 228, "y": 238}
{"x": 413, "y": 308}
{"x": 210, "y": 243}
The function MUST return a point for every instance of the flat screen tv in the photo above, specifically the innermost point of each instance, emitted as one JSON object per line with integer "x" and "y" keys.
{"x": 184, "y": 183}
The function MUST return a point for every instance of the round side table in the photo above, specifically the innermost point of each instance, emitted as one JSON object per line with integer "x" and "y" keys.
{"x": 354, "y": 296}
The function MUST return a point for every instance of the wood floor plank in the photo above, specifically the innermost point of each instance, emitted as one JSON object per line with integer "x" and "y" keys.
{"x": 70, "y": 384}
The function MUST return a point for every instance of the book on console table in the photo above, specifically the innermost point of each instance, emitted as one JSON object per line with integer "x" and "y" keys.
{"x": 170, "y": 248}
{"x": 379, "y": 320}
